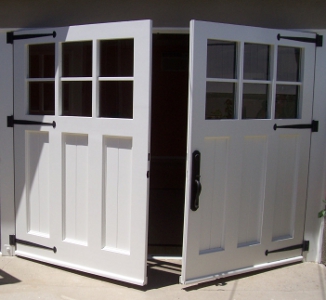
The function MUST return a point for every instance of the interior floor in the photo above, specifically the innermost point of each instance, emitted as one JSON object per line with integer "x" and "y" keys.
{"x": 168, "y": 143}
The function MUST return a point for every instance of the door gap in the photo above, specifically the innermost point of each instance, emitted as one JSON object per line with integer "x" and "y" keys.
{"x": 168, "y": 144}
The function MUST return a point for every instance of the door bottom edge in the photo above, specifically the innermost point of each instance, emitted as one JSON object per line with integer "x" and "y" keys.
{"x": 71, "y": 266}
{"x": 242, "y": 271}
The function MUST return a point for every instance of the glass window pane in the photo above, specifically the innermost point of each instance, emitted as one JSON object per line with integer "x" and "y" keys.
{"x": 256, "y": 62}
{"x": 221, "y": 59}
{"x": 288, "y": 64}
{"x": 117, "y": 58}
{"x": 41, "y": 61}
{"x": 116, "y": 99}
{"x": 77, "y": 59}
{"x": 286, "y": 105}
{"x": 41, "y": 98}
{"x": 220, "y": 100}
{"x": 77, "y": 98}
{"x": 255, "y": 101}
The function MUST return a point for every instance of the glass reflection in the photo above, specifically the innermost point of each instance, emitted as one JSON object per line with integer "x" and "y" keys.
{"x": 116, "y": 99}
{"x": 256, "y": 62}
{"x": 220, "y": 100}
{"x": 41, "y": 98}
{"x": 41, "y": 61}
{"x": 288, "y": 64}
{"x": 286, "y": 104}
{"x": 221, "y": 59}
{"x": 255, "y": 101}
{"x": 77, "y": 98}
{"x": 77, "y": 59}
{"x": 117, "y": 58}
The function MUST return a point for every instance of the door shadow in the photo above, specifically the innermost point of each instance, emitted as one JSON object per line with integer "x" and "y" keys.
{"x": 160, "y": 273}
{"x": 6, "y": 278}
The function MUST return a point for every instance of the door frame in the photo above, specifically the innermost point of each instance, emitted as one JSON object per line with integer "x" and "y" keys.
{"x": 7, "y": 195}
{"x": 317, "y": 163}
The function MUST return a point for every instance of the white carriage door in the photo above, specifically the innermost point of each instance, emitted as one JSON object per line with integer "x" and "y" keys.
{"x": 253, "y": 179}
{"x": 82, "y": 186}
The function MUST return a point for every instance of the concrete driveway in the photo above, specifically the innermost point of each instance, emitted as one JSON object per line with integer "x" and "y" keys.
{"x": 24, "y": 279}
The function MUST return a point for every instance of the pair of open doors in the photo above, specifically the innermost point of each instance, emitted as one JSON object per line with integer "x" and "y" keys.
{"x": 82, "y": 98}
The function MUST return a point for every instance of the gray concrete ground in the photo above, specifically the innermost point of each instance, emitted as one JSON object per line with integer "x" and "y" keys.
{"x": 25, "y": 279}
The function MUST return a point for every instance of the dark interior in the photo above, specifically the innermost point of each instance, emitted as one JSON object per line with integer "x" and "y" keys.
{"x": 168, "y": 143}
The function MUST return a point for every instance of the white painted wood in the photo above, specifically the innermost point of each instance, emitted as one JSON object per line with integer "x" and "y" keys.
{"x": 255, "y": 268}
{"x": 7, "y": 206}
{"x": 97, "y": 180}
{"x": 259, "y": 190}
{"x": 38, "y": 182}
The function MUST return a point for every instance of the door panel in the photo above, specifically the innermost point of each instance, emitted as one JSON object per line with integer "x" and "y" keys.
{"x": 82, "y": 186}
{"x": 243, "y": 80}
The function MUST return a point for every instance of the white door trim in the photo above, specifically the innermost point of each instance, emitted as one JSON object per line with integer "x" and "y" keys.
{"x": 7, "y": 203}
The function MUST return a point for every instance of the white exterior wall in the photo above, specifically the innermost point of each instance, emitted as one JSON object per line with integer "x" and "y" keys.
{"x": 7, "y": 208}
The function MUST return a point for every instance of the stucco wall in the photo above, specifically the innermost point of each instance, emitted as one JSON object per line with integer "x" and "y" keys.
{"x": 177, "y": 13}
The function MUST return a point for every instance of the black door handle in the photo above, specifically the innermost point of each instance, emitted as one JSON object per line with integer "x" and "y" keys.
{"x": 313, "y": 126}
{"x": 196, "y": 186}
{"x": 11, "y": 122}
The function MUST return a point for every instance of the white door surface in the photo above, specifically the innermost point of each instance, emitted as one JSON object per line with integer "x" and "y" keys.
{"x": 82, "y": 186}
{"x": 252, "y": 176}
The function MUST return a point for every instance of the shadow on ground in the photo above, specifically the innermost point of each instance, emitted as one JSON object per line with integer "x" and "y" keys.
{"x": 6, "y": 278}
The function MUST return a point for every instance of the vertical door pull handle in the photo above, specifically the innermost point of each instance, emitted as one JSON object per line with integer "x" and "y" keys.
{"x": 196, "y": 186}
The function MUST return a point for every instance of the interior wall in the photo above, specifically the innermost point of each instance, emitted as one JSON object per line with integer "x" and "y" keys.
{"x": 268, "y": 13}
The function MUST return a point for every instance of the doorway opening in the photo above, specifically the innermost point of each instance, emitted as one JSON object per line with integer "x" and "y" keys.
{"x": 168, "y": 143}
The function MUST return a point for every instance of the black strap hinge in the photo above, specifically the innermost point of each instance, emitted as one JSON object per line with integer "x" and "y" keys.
{"x": 314, "y": 126}
{"x": 13, "y": 241}
{"x": 11, "y": 122}
{"x": 304, "y": 246}
{"x": 11, "y": 37}
{"x": 318, "y": 40}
